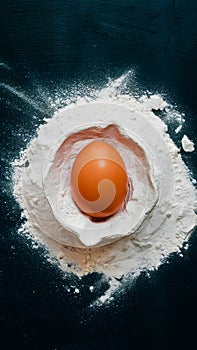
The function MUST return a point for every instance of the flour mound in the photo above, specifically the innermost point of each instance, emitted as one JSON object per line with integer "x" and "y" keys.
{"x": 152, "y": 241}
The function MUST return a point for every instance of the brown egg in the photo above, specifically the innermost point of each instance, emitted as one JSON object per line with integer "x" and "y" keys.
{"x": 99, "y": 182}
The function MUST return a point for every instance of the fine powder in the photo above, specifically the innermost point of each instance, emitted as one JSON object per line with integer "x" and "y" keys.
{"x": 187, "y": 144}
{"x": 128, "y": 255}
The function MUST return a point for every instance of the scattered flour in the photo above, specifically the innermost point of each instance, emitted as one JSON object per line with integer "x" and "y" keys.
{"x": 187, "y": 144}
{"x": 178, "y": 129}
{"x": 162, "y": 231}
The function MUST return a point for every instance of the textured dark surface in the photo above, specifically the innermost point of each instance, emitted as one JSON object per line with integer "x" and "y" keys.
{"x": 45, "y": 46}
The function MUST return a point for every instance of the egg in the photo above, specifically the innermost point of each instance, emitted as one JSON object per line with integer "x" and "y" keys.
{"x": 99, "y": 182}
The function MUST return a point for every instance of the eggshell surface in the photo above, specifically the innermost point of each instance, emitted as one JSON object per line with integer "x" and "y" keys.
{"x": 99, "y": 182}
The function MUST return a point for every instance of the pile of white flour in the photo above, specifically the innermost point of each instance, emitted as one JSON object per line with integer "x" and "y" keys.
{"x": 130, "y": 254}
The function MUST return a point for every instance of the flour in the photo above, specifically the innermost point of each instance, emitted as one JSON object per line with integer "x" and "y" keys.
{"x": 187, "y": 144}
{"x": 126, "y": 248}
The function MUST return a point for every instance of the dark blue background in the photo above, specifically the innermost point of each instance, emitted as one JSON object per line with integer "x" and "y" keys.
{"x": 47, "y": 45}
